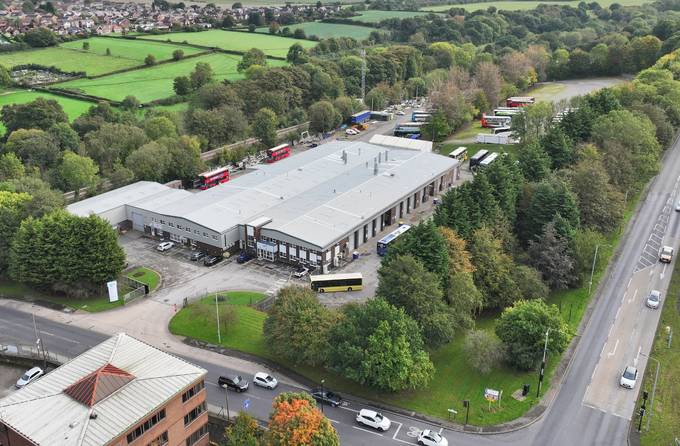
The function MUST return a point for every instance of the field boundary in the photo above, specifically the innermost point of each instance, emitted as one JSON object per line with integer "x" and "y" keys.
{"x": 143, "y": 66}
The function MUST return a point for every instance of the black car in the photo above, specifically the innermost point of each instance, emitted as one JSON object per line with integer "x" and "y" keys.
{"x": 326, "y": 397}
{"x": 212, "y": 260}
{"x": 236, "y": 383}
{"x": 196, "y": 256}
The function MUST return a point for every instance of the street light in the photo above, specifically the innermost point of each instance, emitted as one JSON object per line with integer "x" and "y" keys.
{"x": 322, "y": 394}
{"x": 656, "y": 379}
{"x": 592, "y": 270}
{"x": 541, "y": 373}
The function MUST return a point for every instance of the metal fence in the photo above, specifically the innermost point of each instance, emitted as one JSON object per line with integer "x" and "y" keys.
{"x": 139, "y": 289}
{"x": 32, "y": 352}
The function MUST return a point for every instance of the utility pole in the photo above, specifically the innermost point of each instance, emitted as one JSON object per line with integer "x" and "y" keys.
{"x": 542, "y": 371}
{"x": 363, "y": 75}
{"x": 38, "y": 343}
{"x": 592, "y": 269}
{"x": 656, "y": 379}
{"x": 323, "y": 395}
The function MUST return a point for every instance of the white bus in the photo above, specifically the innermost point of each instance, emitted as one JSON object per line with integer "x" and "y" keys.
{"x": 460, "y": 154}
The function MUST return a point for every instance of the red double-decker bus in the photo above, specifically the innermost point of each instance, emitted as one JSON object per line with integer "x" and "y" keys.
{"x": 277, "y": 153}
{"x": 212, "y": 178}
{"x": 520, "y": 101}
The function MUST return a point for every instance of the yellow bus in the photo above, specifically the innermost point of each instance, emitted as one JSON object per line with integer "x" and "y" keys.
{"x": 337, "y": 282}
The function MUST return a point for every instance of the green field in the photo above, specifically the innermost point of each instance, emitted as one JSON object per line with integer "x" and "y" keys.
{"x": 72, "y": 107}
{"x": 235, "y": 41}
{"x": 156, "y": 82}
{"x": 375, "y": 16}
{"x": 71, "y": 57}
{"x": 529, "y": 4}
{"x": 325, "y": 30}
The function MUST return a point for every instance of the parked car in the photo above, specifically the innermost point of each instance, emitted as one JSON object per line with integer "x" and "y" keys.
{"x": 677, "y": 206}
{"x": 28, "y": 377}
{"x": 431, "y": 438}
{"x": 313, "y": 145}
{"x": 654, "y": 299}
{"x": 351, "y": 132}
{"x": 212, "y": 260}
{"x": 196, "y": 256}
{"x": 324, "y": 396}
{"x": 243, "y": 257}
{"x": 666, "y": 254}
{"x": 373, "y": 419}
{"x": 400, "y": 113}
{"x": 301, "y": 272}
{"x": 235, "y": 382}
{"x": 629, "y": 377}
{"x": 265, "y": 380}
{"x": 164, "y": 246}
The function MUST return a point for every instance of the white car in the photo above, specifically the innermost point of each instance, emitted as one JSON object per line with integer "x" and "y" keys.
{"x": 373, "y": 419}
{"x": 28, "y": 377}
{"x": 350, "y": 132}
{"x": 164, "y": 246}
{"x": 677, "y": 206}
{"x": 629, "y": 377}
{"x": 431, "y": 438}
{"x": 265, "y": 380}
{"x": 302, "y": 272}
{"x": 400, "y": 113}
{"x": 654, "y": 299}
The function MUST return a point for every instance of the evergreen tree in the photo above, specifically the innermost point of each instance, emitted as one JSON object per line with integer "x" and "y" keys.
{"x": 534, "y": 162}
{"x": 425, "y": 243}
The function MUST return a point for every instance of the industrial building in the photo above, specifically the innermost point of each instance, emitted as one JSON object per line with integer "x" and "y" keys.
{"x": 119, "y": 392}
{"x": 313, "y": 208}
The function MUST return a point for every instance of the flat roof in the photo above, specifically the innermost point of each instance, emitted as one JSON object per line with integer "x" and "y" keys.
{"x": 115, "y": 198}
{"x": 402, "y": 143}
{"x": 43, "y": 413}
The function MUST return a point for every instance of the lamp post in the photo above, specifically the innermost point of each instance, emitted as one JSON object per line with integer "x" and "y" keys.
{"x": 642, "y": 410}
{"x": 542, "y": 371}
{"x": 592, "y": 269}
{"x": 656, "y": 379}
{"x": 323, "y": 395}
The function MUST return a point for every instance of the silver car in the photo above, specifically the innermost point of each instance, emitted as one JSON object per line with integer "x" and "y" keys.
{"x": 654, "y": 299}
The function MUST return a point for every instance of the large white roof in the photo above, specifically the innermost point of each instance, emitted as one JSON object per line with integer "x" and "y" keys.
{"x": 43, "y": 413}
{"x": 116, "y": 198}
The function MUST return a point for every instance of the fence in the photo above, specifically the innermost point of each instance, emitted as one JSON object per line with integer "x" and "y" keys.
{"x": 30, "y": 352}
{"x": 139, "y": 289}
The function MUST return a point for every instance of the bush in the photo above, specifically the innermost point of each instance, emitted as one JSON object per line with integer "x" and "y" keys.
{"x": 483, "y": 350}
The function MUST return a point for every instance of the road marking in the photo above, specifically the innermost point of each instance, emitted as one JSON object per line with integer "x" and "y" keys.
{"x": 634, "y": 296}
{"x": 651, "y": 271}
{"x": 441, "y": 430}
{"x": 609, "y": 334}
{"x": 334, "y": 421}
{"x": 629, "y": 281}
{"x": 366, "y": 430}
{"x": 347, "y": 408}
{"x": 635, "y": 361}
{"x": 59, "y": 337}
{"x": 613, "y": 352}
{"x": 617, "y": 313}
{"x": 664, "y": 270}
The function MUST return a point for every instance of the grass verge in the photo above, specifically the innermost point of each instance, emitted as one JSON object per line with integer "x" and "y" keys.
{"x": 145, "y": 275}
{"x": 95, "y": 304}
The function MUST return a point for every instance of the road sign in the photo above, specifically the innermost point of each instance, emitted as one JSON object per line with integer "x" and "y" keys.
{"x": 491, "y": 395}
{"x": 246, "y": 403}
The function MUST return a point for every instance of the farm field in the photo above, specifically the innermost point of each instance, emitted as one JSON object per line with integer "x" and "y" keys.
{"x": 235, "y": 41}
{"x": 325, "y": 30}
{"x": 72, "y": 107}
{"x": 156, "y": 82}
{"x": 524, "y": 5}
{"x": 375, "y": 16}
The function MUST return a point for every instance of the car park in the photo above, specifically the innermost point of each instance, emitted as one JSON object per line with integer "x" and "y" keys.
{"x": 666, "y": 254}
{"x": 373, "y": 419}
{"x": 629, "y": 377}
{"x": 265, "y": 380}
{"x": 431, "y": 438}
{"x": 164, "y": 246}
{"x": 236, "y": 383}
{"x": 212, "y": 260}
{"x": 654, "y": 299}
{"x": 28, "y": 377}
{"x": 324, "y": 396}
{"x": 301, "y": 272}
{"x": 196, "y": 256}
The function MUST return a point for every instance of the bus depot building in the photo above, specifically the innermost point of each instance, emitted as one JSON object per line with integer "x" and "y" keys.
{"x": 314, "y": 208}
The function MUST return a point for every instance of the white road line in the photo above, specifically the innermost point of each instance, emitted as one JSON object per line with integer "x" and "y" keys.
{"x": 347, "y": 408}
{"x": 629, "y": 281}
{"x": 441, "y": 430}
{"x": 611, "y": 327}
{"x": 663, "y": 273}
{"x": 634, "y": 296}
{"x": 651, "y": 271}
{"x": 635, "y": 361}
{"x": 334, "y": 421}
{"x": 613, "y": 352}
{"x": 59, "y": 337}
{"x": 394, "y": 437}
{"x": 617, "y": 313}
{"x": 366, "y": 430}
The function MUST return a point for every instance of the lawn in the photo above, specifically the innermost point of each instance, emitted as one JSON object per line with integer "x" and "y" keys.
{"x": 663, "y": 427}
{"x": 524, "y": 5}
{"x": 235, "y": 41}
{"x": 155, "y": 82}
{"x": 375, "y": 16}
{"x": 325, "y": 30}
{"x": 72, "y": 107}
{"x": 145, "y": 275}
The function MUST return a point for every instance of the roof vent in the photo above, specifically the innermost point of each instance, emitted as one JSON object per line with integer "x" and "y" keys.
{"x": 300, "y": 169}
{"x": 93, "y": 416}
{"x": 73, "y": 424}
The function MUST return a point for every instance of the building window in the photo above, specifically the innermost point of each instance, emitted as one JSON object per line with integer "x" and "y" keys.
{"x": 171, "y": 224}
{"x": 188, "y": 229}
{"x": 205, "y": 234}
{"x": 161, "y": 440}
{"x": 194, "y": 413}
{"x": 179, "y": 227}
{"x": 162, "y": 222}
{"x": 145, "y": 426}
{"x": 196, "y": 231}
{"x": 186, "y": 396}
{"x": 214, "y": 237}
{"x": 200, "y": 433}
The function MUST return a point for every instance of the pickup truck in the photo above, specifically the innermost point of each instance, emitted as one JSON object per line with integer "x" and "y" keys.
{"x": 666, "y": 254}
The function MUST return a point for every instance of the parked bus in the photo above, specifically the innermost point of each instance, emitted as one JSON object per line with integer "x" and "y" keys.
{"x": 520, "y": 101}
{"x": 360, "y": 117}
{"x": 491, "y": 122}
{"x": 420, "y": 116}
{"x": 499, "y": 130}
{"x": 278, "y": 153}
{"x": 478, "y": 157}
{"x": 488, "y": 160}
{"x": 389, "y": 238}
{"x": 408, "y": 128}
{"x": 507, "y": 111}
{"x": 460, "y": 154}
{"x": 329, "y": 283}
{"x": 212, "y": 178}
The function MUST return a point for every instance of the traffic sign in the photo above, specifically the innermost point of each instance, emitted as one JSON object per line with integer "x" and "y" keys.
{"x": 246, "y": 403}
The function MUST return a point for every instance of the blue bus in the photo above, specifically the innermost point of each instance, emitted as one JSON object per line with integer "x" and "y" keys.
{"x": 384, "y": 242}
{"x": 360, "y": 117}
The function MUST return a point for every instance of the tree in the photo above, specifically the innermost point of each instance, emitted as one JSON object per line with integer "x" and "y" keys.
{"x": 150, "y": 60}
{"x": 43, "y": 199}
{"x": 130, "y": 103}
{"x": 425, "y": 243}
{"x": 86, "y": 46}
{"x": 265, "y": 124}
{"x": 13, "y": 209}
{"x": 60, "y": 249}
{"x": 120, "y": 175}
{"x": 218, "y": 126}
{"x": 378, "y": 345}
{"x": 215, "y": 95}
{"x": 551, "y": 255}
{"x": 488, "y": 78}
{"x": 177, "y": 55}
{"x": 77, "y": 172}
{"x": 437, "y": 128}
{"x": 297, "y": 326}
{"x": 159, "y": 127}
{"x": 534, "y": 162}
{"x": 244, "y": 431}
{"x": 253, "y": 56}
{"x": 559, "y": 148}
{"x": 296, "y": 54}
{"x": 274, "y": 28}
{"x": 493, "y": 273}
{"x": 299, "y": 33}
{"x": 5, "y": 77}
{"x": 10, "y": 167}
{"x": 201, "y": 75}
{"x": 35, "y": 148}
{"x": 150, "y": 162}
{"x": 39, "y": 114}
{"x": 483, "y": 351}
{"x": 296, "y": 421}
{"x": 346, "y": 106}
{"x": 40, "y": 38}
{"x": 533, "y": 122}
{"x": 108, "y": 51}
{"x": 522, "y": 330}
{"x": 642, "y": 52}
{"x": 585, "y": 243}
{"x": 529, "y": 283}
{"x": 185, "y": 158}
{"x": 323, "y": 117}
{"x": 182, "y": 85}
{"x": 112, "y": 143}
{"x": 406, "y": 284}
